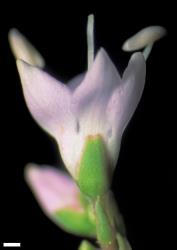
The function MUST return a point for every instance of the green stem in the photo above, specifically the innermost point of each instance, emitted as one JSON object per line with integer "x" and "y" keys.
{"x": 106, "y": 233}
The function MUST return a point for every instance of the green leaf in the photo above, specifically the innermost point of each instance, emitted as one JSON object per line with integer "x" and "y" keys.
{"x": 93, "y": 168}
{"x": 75, "y": 222}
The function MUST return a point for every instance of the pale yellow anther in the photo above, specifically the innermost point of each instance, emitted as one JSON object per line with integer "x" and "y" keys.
{"x": 24, "y": 50}
{"x": 145, "y": 38}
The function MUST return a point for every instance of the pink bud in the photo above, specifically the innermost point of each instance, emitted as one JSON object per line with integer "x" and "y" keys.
{"x": 53, "y": 189}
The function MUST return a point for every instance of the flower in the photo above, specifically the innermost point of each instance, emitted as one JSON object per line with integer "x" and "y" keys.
{"x": 89, "y": 113}
{"x": 60, "y": 199}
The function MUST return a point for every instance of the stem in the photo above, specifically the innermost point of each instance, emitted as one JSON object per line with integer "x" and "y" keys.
{"x": 112, "y": 246}
{"x": 90, "y": 40}
{"x": 106, "y": 233}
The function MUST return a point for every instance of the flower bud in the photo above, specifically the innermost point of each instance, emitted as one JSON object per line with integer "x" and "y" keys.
{"x": 60, "y": 199}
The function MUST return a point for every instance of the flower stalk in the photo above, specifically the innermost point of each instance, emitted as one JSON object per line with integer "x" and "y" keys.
{"x": 106, "y": 231}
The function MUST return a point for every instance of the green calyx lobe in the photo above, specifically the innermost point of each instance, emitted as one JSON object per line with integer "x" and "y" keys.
{"x": 75, "y": 222}
{"x": 85, "y": 245}
{"x": 93, "y": 168}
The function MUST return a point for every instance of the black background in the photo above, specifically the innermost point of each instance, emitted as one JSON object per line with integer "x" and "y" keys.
{"x": 145, "y": 178}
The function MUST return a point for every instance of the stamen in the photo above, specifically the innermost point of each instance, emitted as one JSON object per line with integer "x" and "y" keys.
{"x": 90, "y": 40}
{"x": 147, "y": 51}
{"x": 144, "y": 38}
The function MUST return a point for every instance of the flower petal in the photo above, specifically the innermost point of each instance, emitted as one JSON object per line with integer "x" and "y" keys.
{"x": 47, "y": 99}
{"x": 100, "y": 79}
{"x": 134, "y": 81}
{"x": 53, "y": 189}
{"x": 74, "y": 82}
{"x": 88, "y": 104}
{"x": 91, "y": 96}
{"x": 24, "y": 50}
{"x": 125, "y": 99}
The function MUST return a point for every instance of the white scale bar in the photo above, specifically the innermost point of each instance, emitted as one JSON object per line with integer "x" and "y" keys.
{"x": 11, "y": 244}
